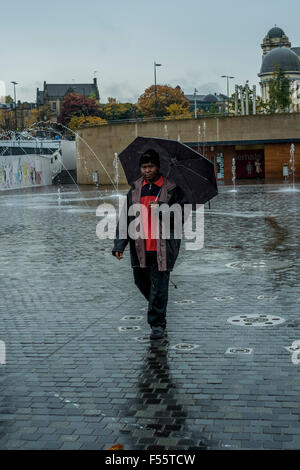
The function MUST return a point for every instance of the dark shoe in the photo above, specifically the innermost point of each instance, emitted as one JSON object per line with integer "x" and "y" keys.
{"x": 158, "y": 332}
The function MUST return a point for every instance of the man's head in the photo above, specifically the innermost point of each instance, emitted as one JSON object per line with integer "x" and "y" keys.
{"x": 149, "y": 165}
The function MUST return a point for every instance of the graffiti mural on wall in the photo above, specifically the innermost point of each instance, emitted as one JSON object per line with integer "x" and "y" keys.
{"x": 20, "y": 171}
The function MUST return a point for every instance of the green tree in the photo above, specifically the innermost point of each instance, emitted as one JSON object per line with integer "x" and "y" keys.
{"x": 9, "y": 99}
{"x": 279, "y": 92}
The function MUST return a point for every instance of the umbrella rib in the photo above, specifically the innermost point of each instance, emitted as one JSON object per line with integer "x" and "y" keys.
{"x": 203, "y": 177}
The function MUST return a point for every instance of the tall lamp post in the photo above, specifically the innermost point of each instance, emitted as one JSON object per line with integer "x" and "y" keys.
{"x": 14, "y": 84}
{"x": 155, "y": 87}
{"x": 195, "y": 103}
{"x": 227, "y": 77}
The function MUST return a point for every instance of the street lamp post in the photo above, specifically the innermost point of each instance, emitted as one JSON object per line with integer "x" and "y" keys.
{"x": 155, "y": 87}
{"x": 227, "y": 77}
{"x": 15, "y": 83}
{"x": 195, "y": 103}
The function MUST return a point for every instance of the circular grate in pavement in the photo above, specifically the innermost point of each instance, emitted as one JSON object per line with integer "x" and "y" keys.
{"x": 256, "y": 320}
{"x": 184, "y": 301}
{"x": 142, "y": 339}
{"x": 185, "y": 347}
{"x": 224, "y": 298}
{"x": 259, "y": 264}
{"x": 239, "y": 350}
{"x": 267, "y": 297}
{"x": 129, "y": 328}
{"x": 294, "y": 347}
{"x": 132, "y": 317}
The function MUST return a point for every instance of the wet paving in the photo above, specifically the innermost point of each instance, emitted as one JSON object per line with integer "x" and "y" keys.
{"x": 76, "y": 377}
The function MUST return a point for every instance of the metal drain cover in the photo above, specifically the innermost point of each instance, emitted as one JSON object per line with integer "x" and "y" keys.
{"x": 294, "y": 347}
{"x": 239, "y": 350}
{"x": 224, "y": 298}
{"x": 260, "y": 264}
{"x": 256, "y": 320}
{"x": 142, "y": 339}
{"x": 185, "y": 347}
{"x": 129, "y": 328}
{"x": 184, "y": 301}
{"x": 131, "y": 317}
{"x": 267, "y": 297}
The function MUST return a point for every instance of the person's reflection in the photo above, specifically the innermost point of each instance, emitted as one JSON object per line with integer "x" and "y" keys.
{"x": 277, "y": 238}
{"x": 155, "y": 416}
{"x": 163, "y": 414}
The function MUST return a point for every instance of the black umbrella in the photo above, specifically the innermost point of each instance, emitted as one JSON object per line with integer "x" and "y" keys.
{"x": 192, "y": 172}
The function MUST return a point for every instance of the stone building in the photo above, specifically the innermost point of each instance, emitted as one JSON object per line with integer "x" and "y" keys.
{"x": 277, "y": 51}
{"x": 53, "y": 94}
{"x": 208, "y": 103}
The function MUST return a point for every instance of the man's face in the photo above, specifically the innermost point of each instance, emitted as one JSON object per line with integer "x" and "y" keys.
{"x": 150, "y": 171}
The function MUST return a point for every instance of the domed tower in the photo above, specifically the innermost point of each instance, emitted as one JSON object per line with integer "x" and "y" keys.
{"x": 282, "y": 57}
{"x": 274, "y": 38}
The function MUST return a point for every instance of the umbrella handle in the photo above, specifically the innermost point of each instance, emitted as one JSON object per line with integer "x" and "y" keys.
{"x": 157, "y": 195}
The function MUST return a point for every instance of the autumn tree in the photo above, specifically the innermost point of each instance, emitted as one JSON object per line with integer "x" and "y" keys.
{"x": 178, "y": 111}
{"x": 75, "y": 104}
{"x": 117, "y": 111}
{"x": 85, "y": 121}
{"x": 152, "y": 104}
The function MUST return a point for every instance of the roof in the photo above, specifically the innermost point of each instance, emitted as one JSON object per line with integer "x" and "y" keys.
{"x": 296, "y": 50}
{"x": 60, "y": 90}
{"x": 275, "y": 32}
{"x": 40, "y": 97}
{"x": 210, "y": 98}
{"x": 192, "y": 97}
{"x": 204, "y": 98}
{"x": 284, "y": 57}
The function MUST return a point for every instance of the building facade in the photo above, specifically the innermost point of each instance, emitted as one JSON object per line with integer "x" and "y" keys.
{"x": 209, "y": 103}
{"x": 277, "y": 52}
{"x": 53, "y": 94}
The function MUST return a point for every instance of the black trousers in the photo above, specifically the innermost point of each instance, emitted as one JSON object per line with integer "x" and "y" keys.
{"x": 154, "y": 285}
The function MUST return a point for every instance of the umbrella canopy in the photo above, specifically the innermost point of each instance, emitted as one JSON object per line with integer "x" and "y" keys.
{"x": 192, "y": 172}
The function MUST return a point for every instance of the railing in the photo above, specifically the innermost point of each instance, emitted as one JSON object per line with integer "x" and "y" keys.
{"x": 167, "y": 118}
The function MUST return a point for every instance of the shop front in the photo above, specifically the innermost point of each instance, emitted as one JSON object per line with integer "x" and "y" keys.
{"x": 249, "y": 163}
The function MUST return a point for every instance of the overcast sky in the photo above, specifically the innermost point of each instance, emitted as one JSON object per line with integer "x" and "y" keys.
{"x": 196, "y": 42}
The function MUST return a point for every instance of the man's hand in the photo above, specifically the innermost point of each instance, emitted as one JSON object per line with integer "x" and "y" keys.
{"x": 118, "y": 254}
{"x": 153, "y": 205}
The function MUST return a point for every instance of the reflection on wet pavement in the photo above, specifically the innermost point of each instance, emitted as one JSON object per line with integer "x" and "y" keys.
{"x": 74, "y": 380}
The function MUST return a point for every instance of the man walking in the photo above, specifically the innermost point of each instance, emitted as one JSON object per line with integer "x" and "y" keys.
{"x": 152, "y": 258}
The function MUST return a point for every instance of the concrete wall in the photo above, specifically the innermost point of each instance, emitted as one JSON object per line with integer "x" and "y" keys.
{"x": 95, "y": 144}
{"x": 68, "y": 152}
{"x": 278, "y": 155}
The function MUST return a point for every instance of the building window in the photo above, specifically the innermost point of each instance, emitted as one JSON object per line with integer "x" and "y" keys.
{"x": 54, "y": 106}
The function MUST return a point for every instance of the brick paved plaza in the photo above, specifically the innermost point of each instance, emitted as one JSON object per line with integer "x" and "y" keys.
{"x": 74, "y": 380}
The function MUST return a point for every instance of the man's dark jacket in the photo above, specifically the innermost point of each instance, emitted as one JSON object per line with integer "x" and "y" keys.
{"x": 167, "y": 249}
